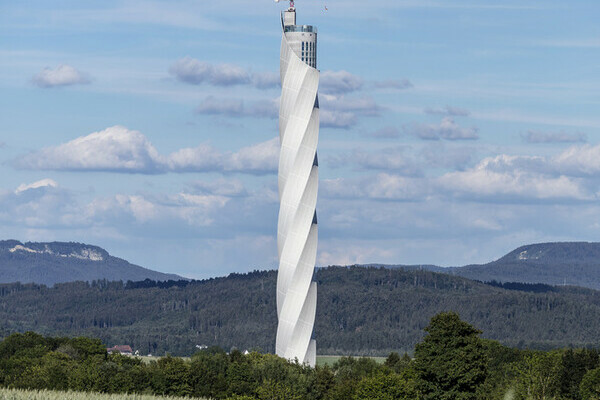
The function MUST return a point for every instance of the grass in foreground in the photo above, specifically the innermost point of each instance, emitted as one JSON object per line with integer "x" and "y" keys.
{"x": 18, "y": 394}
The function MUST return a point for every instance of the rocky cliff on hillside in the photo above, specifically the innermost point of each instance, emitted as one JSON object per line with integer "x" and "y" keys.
{"x": 55, "y": 262}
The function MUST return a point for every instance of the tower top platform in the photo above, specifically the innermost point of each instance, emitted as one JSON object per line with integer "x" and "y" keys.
{"x": 300, "y": 28}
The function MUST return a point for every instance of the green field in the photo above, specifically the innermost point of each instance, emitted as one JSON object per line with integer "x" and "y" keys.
{"x": 147, "y": 359}
{"x": 15, "y": 394}
{"x": 330, "y": 360}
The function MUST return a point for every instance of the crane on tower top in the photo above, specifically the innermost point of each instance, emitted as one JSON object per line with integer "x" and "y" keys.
{"x": 292, "y": 6}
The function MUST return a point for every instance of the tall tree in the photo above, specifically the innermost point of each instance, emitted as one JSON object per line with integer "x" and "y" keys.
{"x": 539, "y": 375}
{"x": 450, "y": 362}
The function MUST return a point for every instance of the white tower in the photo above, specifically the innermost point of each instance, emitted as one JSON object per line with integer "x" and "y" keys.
{"x": 298, "y": 184}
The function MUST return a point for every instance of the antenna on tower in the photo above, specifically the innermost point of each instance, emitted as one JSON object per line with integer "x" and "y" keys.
{"x": 292, "y": 6}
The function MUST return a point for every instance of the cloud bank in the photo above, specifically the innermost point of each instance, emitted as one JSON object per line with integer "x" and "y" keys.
{"x": 118, "y": 149}
{"x": 554, "y": 137}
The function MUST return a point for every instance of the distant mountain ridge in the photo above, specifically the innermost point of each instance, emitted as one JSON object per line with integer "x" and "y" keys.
{"x": 57, "y": 262}
{"x": 558, "y": 263}
{"x": 557, "y": 252}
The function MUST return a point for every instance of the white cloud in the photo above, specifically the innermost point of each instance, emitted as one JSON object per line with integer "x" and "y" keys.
{"x": 383, "y": 186}
{"x": 266, "y": 80}
{"x": 339, "y": 111}
{"x": 36, "y": 185}
{"x": 192, "y": 209}
{"x": 579, "y": 161}
{"x": 448, "y": 111}
{"x": 112, "y": 149}
{"x": 337, "y": 119}
{"x": 236, "y": 108}
{"x": 387, "y": 132}
{"x": 443, "y": 155}
{"x": 221, "y": 187}
{"x": 196, "y": 72}
{"x": 356, "y": 253}
{"x": 63, "y": 75}
{"x": 39, "y": 204}
{"x": 554, "y": 137}
{"x": 203, "y": 158}
{"x": 360, "y": 105}
{"x": 214, "y": 106}
{"x": 261, "y": 157}
{"x": 118, "y": 149}
{"x": 397, "y": 159}
{"x": 506, "y": 177}
{"x": 567, "y": 177}
{"x": 394, "y": 187}
{"x": 339, "y": 82}
{"x": 393, "y": 84}
{"x": 447, "y": 129}
{"x": 267, "y": 108}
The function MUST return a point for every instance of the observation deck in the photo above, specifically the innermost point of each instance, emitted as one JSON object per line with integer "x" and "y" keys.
{"x": 300, "y": 28}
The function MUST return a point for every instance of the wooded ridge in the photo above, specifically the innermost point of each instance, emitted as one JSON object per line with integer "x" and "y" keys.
{"x": 362, "y": 311}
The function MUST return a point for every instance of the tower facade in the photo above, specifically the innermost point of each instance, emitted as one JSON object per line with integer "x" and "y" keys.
{"x": 298, "y": 184}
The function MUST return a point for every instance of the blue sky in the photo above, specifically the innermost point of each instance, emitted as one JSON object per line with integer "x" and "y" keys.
{"x": 452, "y": 131}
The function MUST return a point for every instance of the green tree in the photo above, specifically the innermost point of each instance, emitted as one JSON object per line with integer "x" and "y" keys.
{"x": 538, "y": 375}
{"x": 208, "y": 373}
{"x": 451, "y": 362}
{"x": 501, "y": 374}
{"x": 349, "y": 371}
{"x": 272, "y": 390}
{"x": 50, "y": 372}
{"x": 172, "y": 377}
{"x": 590, "y": 385}
{"x": 324, "y": 382}
{"x": 386, "y": 387}
{"x": 574, "y": 365}
{"x": 87, "y": 347}
{"x": 20, "y": 342}
{"x": 240, "y": 377}
{"x": 397, "y": 363}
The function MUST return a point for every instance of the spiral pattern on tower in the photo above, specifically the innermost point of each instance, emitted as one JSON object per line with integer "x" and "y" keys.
{"x": 298, "y": 185}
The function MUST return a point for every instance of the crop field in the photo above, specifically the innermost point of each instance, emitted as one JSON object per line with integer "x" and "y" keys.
{"x": 16, "y": 394}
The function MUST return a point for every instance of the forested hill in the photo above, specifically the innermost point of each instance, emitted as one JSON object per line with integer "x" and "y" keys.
{"x": 50, "y": 263}
{"x": 570, "y": 263}
{"x": 360, "y": 311}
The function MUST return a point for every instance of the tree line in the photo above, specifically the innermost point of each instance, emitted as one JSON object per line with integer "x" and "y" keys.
{"x": 452, "y": 362}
